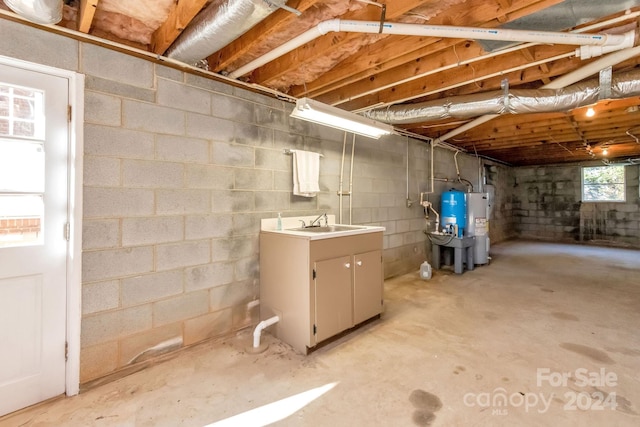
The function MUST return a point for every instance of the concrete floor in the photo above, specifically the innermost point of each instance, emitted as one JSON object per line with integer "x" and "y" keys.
{"x": 552, "y": 329}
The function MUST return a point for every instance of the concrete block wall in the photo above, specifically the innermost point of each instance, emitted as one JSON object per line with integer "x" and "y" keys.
{"x": 179, "y": 170}
{"x": 175, "y": 186}
{"x": 547, "y": 205}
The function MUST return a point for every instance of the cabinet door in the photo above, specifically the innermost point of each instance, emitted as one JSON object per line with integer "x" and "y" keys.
{"x": 367, "y": 286}
{"x": 333, "y": 297}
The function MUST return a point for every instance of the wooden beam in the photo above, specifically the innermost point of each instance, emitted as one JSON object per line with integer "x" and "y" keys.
{"x": 85, "y": 15}
{"x": 391, "y": 51}
{"x": 407, "y": 65}
{"x": 505, "y": 4}
{"x": 389, "y": 54}
{"x": 326, "y": 46}
{"x": 476, "y": 74}
{"x": 181, "y": 15}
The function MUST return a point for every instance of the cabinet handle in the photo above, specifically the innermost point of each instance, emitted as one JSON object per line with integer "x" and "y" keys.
{"x": 358, "y": 263}
{"x": 348, "y": 265}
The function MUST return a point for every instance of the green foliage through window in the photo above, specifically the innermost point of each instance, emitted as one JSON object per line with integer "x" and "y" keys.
{"x": 603, "y": 184}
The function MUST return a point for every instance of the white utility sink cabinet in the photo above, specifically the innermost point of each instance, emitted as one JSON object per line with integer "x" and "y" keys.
{"x": 320, "y": 284}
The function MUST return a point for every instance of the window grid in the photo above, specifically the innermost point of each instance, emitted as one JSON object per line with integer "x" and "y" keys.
{"x": 603, "y": 184}
{"x": 21, "y": 112}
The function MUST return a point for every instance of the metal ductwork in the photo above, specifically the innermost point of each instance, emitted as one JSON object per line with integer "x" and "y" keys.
{"x": 38, "y": 11}
{"x": 623, "y": 85}
{"x": 219, "y": 24}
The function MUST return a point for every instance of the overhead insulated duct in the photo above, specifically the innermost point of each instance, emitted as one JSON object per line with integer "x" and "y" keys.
{"x": 218, "y": 25}
{"x": 623, "y": 85}
{"x": 38, "y": 11}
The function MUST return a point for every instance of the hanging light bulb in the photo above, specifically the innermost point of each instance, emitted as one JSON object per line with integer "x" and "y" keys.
{"x": 591, "y": 112}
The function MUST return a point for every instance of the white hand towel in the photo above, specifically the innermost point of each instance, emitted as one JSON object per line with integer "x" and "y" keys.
{"x": 306, "y": 172}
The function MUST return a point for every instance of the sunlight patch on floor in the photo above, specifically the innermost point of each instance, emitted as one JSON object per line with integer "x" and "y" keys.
{"x": 276, "y": 411}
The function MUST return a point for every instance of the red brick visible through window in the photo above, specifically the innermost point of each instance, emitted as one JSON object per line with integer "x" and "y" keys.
{"x": 19, "y": 225}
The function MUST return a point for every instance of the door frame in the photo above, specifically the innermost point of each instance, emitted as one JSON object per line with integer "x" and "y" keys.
{"x": 74, "y": 212}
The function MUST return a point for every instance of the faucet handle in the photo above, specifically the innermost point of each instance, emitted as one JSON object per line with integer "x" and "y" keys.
{"x": 326, "y": 220}
{"x": 303, "y": 223}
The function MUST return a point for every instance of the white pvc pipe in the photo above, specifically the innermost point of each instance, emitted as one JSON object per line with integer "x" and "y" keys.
{"x": 437, "y": 216}
{"x": 593, "y": 68}
{"x": 620, "y": 41}
{"x": 433, "y": 174}
{"x": 499, "y": 34}
{"x": 262, "y": 325}
{"x": 319, "y": 30}
{"x": 340, "y": 192}
{"x": 465, "y": 127}
{"x": 475, "y": 59}
{"x": 407, "y": 170}
{"x": 353, "y": 150}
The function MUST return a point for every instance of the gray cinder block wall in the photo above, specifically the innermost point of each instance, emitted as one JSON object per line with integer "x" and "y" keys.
{"x": 548, "y": 205}
{"x": 179, "y": 170}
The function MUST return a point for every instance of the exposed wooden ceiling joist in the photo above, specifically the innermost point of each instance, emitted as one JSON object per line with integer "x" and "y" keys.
{"x": 87, "y": 12}
{"x": 365, "y": 71}
{"x": 179, "y": 18}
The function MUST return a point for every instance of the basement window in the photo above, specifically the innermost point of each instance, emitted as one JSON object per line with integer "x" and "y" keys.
{"x": 603, "y": 184}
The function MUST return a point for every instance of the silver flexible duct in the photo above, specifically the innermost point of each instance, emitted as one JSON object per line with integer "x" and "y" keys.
{"x": 38, "y": 11}
{"x": 523, "y": 101}
{"x": 218, "y": 25}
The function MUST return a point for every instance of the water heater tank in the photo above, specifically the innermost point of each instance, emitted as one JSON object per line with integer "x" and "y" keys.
{"x": 454, "y": 210}
{"x": 478, "y": 225}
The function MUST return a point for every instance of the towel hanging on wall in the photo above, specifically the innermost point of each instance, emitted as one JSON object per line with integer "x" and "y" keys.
{"x": 306, "y": 172}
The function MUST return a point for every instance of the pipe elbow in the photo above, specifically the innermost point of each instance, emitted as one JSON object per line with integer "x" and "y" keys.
{"x": 629, "y": 39}
{"x": 632, "y": 38}
{"x": 257, "y": 332}
{"x": 328, "y": 26}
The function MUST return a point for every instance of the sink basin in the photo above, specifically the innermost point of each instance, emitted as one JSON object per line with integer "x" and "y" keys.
{"x": 328, "y": 228}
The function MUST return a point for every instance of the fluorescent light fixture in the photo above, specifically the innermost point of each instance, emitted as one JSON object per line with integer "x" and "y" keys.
{"x": 323, "y": 114}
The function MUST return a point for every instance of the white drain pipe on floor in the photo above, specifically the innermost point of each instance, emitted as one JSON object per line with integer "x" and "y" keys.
{"x": 590, "y": 44}
{"x": 261, "y": 326}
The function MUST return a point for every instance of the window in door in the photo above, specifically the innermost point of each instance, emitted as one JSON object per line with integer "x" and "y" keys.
{"x": 22, "y": 183}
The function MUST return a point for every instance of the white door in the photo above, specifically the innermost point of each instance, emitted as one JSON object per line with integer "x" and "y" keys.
{"x": 34, "y": 141}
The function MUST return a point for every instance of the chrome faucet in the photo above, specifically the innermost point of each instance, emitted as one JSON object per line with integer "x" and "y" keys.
{"x": 326, "y": 220}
